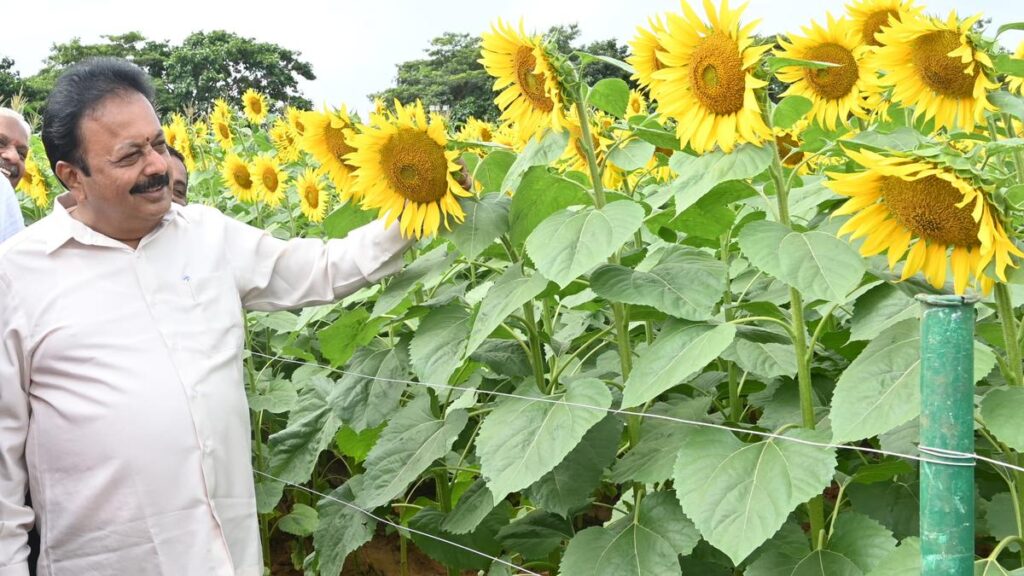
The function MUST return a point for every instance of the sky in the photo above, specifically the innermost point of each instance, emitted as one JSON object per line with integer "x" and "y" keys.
{"x": 354, "y": 47}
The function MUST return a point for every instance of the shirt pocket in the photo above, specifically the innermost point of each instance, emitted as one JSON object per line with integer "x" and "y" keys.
{"x": 211, "y": 312}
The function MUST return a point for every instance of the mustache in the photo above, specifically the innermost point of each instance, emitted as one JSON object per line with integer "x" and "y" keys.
{"x": 149, "y": 184}
{"x": 11, "y": 169}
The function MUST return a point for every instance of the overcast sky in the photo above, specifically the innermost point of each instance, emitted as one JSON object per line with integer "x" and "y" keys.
{"x": 355, "y": 46}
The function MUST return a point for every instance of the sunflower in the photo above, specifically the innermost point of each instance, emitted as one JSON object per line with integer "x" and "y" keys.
{"x": 932, "y": 65}
{"x": 33, "y": 183}
{"x": 221, "y": 127}
{"x": 1016, "y": 83}
{"x": 284, "y": 139}
{"x": 574, "y": 157}
{"x": 868, "y": 17}
{"x": 834, "y": 92}
{"x": 707, "y": 82}
{"x": 637, "y": 104}
{"x": 897, "y": 201}
{"x": 531, "y": 95}
{"x": 270, "y": 180}
{"x": 645, "y": 47}
{"x": 254, "y": 105}
{"x": 312, "y": 197}
{"x": 238, "y": 176}
{"x": 295, "y": 121}
{"x": 404, "y": 170}
{"x": 327, "y": 136}
{"x": 176, "y": 136}
{"x": 476, "y": 131}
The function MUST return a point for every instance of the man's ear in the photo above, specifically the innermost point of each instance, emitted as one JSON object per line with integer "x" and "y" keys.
{"x": 71, "y": 176}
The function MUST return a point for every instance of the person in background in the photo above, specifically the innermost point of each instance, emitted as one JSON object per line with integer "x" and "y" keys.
{"x": 14, "y": 136}
{"x": 178, "y": 174}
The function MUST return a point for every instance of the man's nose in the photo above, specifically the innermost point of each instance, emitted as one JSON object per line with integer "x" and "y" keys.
{"x": 156, "y": 162}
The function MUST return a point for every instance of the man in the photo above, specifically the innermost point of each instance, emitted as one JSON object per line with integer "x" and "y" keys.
{"x": 14, "y": 134}
{"x": 178, "y": 174}
{"x": 122, "y": 403}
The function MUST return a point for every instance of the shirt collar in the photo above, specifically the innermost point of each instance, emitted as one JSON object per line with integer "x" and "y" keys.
{"x": 66, "y": 228}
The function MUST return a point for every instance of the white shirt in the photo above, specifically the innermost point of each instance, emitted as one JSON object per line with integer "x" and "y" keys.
{"x": 122, "y": 403}
{"x": 11, "y": 221}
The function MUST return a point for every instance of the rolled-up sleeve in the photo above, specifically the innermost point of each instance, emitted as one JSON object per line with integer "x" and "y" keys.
{"x": 274, "y": 274}
{"x": 15, "y": 517}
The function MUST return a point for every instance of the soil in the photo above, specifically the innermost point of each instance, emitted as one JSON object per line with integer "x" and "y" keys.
{"x": 381, "y": 556}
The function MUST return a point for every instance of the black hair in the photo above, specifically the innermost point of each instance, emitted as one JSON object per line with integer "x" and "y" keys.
{"x": 77, "y": 92}
{"x": 174, "y": 152}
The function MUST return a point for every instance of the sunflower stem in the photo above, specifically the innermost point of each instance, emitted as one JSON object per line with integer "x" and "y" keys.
{"x": 1008, "y": 321}
{"x": 536, "y": 350}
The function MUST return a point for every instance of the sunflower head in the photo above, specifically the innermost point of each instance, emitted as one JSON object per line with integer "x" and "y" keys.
{"x": 176, "y": 135}
{"x": 404, "y": 170}
{"x": 530, "y": 91}
{"x": 270, "y": 180}
{"x": 637, "y": 105}
{"x": 644, "y": 58}
{"x": 834, "y": 92}
{"x": 868, "y": 17}
{"x": 312, "y": 197}
{"x": 327, "y": 137}
{"x": 238, "y": 176}
{"x": 254, "y": 105}
{"x": 914, "y": 207}
{"x": 707, "y": 79}
{"x": 933, "y": 66}
{"x": 33, "y": 183}
{"x": 285, "y": 141}
{"x": 222, "y": 131}
{"x": 1016, "y": 83}
{"x": 295, "y": 121}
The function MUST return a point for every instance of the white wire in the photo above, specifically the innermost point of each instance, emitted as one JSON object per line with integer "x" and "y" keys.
{"x": 399, "y": 526}
{"x": 827, "y": 445}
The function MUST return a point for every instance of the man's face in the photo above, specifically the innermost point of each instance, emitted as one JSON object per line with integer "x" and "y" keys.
{"x": 179, "y": 180}
{"x": 13, "y": 149}
{"x": 126, "y": 193}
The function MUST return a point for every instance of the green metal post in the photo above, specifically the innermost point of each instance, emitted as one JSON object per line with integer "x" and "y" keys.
{"x": 947, "y": 423}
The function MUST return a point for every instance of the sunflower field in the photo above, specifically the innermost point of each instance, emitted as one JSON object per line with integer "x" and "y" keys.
{"x": 669, "y": 330}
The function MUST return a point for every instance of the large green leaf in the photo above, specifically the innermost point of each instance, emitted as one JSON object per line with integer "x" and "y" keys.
{"x": 739, "y": 494}
{"x": 903, "y": 561}
{"x": 540, "y": 195}
{"x": 679, "y": 351}
{"x": 699, "y": 174}
{"x": 510, "y": 291}
{"x": 483, "y": 539}
{"x": 439, "y": 344}
{"x": 894, "y": 504}
{"x": 346, "y": 219}
{"x": 274, "y": 395}
{"x": 572, "y": 482}
{"x": 1000, "y": 517}
{"x": 342, "y": 528}
{"x": 536, "y": 534}
{"x": 764, "y": 359}
{"x": 369, "y": 392}
{"x": 537, "y": 152}
{"x": 645, "y": 543}
{"x": 1001, "y": 411}
{"x": 790, "y": 111}
{"x": 685, "y": 283}
{"x": 413, "y": 439}
{"x": 301, "y": 521}
{"x": 991, "y": 566}
{"x": 879, "y": 308}
{"x": 654, "y": 456}
{"x": 486, "y": 220}
{"x": 862, "y": 540}
{"x": 610, "y": 95}
{"x": 474, "y": 505}
{"x": 816, "y": 563}
{"x": 352, "y": 329}
{"x": 427, "y": 271}
{"x": 570, "y": 243}
{"x": 633, "y": 155}
{"x": 881, "y": 388}
{"x": 492, "y": 170}
{"x": 521, "y": 440}
{"x": 311, "y": 427}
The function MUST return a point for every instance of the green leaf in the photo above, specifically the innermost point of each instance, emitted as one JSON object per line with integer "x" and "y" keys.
{"x": 521, "y": 440}
{"x": 586, "y": 57}
{"x": 570, "y": 243}
{"x": 486, "y": 220}
{"x": 510, "y": 291}
{"x": 537, "y": 152}
{"x": 882, "y": 471}
{"x": 818, "y": 264}
{"x": 536, "y": 534}
{"x": 540, "y": 195}
{"x": 1009, "y": 26}
{"x": 572, "y": 482}
{"x": 610, "y": 95}
{"x": 776, "y": 63}
{"x": 739, "y": 494}
{"x": 905, "y": 560}
{"x": 894, "y": 504}
{"x": 765, "y": 359}
{"x": 347, "y": 218}
{"x": 699, "y": 174}
{"x": 1015, "y": 195}
{"x": 634, "y": 155}
{"x": 654, "y": 456}
{"x": 311, "y": 427}
{"x": 646, "y": 543}
{"x": 356, "y": 445}
{"x": 427, "y": 271}
{"x": 816, "y": 563}
{"x": 342, "y": 529}
{"x": 301, "y": 521}
{"x": 880, "y": 308}
{"x": 474, "y": 505}
{"x": 685, "y": 283}
{"x": 413, "y": 439}
{"x": 862, "y": 540}
{"x": 350, "y": 331}
{"x": 368, "y": 394}
{"x": 790, "y": 111}
{"x": 492, "y": 170}
{"x": 483, "y": 539}
{"x": 1001, "y": 411}
{"x": 1000, "y": 517}
{"x": 274, "y": 395}
{"x": 1009, "y": 103}
{"x": 439, "y": 344}
{"x": 679, "y": 351}
{"x": 1005, "y": 64}
{"x": 991, "y": 567}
